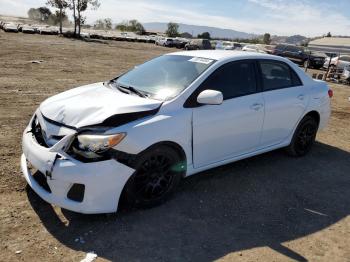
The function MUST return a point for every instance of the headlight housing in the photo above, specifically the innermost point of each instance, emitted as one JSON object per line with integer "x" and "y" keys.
{"x": 99, "y": 143}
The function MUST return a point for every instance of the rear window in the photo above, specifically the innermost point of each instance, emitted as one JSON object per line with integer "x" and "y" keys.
{"x": 280, "y": 47}
{"x": 345, "y": 58}
{"x": 278, "y": 75}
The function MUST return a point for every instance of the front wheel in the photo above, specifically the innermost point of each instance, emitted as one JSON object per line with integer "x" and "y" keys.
{"x": 304, "y": 137}
{"x": 158, "y": 172}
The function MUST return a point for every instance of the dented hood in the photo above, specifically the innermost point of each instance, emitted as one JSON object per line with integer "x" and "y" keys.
{"x": 93, "y": 104}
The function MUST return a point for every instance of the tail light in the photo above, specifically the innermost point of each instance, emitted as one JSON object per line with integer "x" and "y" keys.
{"x": 330, "y": 93}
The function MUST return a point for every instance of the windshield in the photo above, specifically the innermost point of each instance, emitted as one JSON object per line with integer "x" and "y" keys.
{"x": 164, "y": 77}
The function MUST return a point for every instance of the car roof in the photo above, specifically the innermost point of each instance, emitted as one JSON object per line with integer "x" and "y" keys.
{"x": 221, "y": 55}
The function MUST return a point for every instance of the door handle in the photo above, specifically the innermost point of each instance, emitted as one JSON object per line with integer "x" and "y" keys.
{"x": 256, "y": 106}
{"x": 301, "y": 97}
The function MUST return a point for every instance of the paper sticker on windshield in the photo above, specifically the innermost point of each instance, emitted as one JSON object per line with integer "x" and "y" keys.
{"x": 201, "y": 60}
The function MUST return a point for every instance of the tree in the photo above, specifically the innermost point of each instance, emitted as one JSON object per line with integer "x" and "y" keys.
{"x": 123, "y": 26}
{"x": 205, "y": 35}
{"x": 131, "y": 26}
{"x": 99, "y": 24}
{"x": 329, "y": 34}
{"x": 45, "y": 13}
{"x": 267, "y": 39}
{"x": 108, "y": 23}
{"x": 136, "y": 27}
{"x": 61, "y": 5}
{"x": 39, "y": 14}
{"x": 78, "y": 7}
{"x": 34, "y": 14}
{"x": 57, "y": 18}
{"x": 72, "y": 6}
{"x": 173, "y": 29}
{"x": 82, "y": 5}
{"x": 103, "y": 24}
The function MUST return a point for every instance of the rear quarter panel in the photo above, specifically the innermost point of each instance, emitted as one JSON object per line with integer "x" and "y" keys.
{"x": 320, "y": 101}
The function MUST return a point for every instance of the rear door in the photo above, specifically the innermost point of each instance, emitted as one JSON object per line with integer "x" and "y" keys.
{"x": 285, "y": 101}
{"x": 233, "y": 128}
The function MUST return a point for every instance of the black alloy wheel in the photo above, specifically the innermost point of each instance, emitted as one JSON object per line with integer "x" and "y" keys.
{"x": 304, "y": 137}
{"x": 158, "y": 172}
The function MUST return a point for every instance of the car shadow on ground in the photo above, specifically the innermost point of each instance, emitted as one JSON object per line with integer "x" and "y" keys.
{"x": 262, "y": 201}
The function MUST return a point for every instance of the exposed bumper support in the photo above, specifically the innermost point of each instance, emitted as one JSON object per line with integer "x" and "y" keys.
{"x": 104, "y": 181}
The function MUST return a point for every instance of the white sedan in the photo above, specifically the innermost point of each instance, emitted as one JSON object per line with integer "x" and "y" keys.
{"x": 253, "y": 48}
{"x": 10, "y": 27}
{"x": 340, "y": 62}
{"x": 139, "y": 134}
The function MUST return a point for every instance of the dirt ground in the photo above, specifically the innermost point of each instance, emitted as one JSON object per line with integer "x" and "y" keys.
{"x": 266, "y": 208}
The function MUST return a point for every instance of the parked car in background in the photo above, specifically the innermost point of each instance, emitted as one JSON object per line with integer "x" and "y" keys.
{"x": 180, "y": 43}
{"x": 198, "y": 44}
{"x": 345, "y": 76}
{"x": 152, "y": 39}
{"x": 253, "y": 48}
{"x": 227, "y": 45}
{"x": 26, "y": 29}
{"x": 340, "y": 61}
{"x": 149, "y": 130}
{"x": 165, "y": 41}
{"x": 267, "y": 48}
{"x": 10, "y": 27}
{"x": 300, "y": 55}
{"x": 19, "y": 27}
{"x": 48, "y": 30}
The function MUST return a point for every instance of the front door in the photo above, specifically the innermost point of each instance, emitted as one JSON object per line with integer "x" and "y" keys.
{"x": 233, "y": 128}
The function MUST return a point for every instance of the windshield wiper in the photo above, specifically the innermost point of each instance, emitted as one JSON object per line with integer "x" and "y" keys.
{"x": 132, "y": 89}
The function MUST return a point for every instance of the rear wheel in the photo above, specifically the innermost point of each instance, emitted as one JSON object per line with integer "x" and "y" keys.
{"x": 158, "y": 172}
{"x": 304, "y": 137}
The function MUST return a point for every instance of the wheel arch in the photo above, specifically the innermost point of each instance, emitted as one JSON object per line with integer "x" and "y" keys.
{"x": 315, "y": 115}
{"x": 179, "y": 150}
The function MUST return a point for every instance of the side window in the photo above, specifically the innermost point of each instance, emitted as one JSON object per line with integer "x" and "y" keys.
{"x": 345, "y": 58}
{"x": 280, "y": 47}
{"x": 293, "y": 49}
{"x": 233, "y": 79}
{"x": 277, "y": 75}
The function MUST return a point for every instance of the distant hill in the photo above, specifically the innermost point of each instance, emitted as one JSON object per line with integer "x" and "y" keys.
{"x": 195, "y": 30}
{"x": 294, "y": 39}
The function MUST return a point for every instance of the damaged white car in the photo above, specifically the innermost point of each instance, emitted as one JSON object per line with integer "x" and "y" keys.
{"x": 137, "y": 135}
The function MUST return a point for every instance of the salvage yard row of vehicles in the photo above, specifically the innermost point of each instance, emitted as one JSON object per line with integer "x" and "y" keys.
{"x": 298, "y": 54}
{"x": 28, "y": 29}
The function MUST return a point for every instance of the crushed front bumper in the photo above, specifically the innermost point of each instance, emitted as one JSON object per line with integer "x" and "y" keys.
{"x": 103, "y": 181}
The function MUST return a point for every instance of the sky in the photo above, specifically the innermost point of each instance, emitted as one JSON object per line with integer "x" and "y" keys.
{"x": 281, "y": 17}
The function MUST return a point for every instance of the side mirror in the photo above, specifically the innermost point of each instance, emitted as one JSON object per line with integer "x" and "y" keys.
{"x": 210, "y": 97}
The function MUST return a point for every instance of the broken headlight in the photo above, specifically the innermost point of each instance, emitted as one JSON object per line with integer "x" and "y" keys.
{"x": 98, "y": 143}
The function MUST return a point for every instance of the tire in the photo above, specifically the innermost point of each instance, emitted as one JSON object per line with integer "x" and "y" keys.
{"x": 303, "y": 138}
{"x": 158, "y": 173}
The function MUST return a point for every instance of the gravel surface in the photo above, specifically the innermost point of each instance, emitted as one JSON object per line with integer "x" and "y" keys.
{"x": 266, "y": 208}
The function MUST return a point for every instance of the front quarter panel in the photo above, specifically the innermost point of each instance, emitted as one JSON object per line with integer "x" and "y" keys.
{"x": 166, "y": 126}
